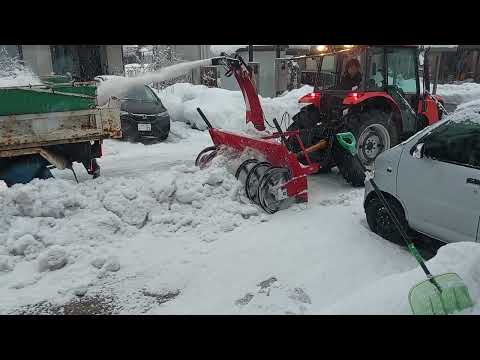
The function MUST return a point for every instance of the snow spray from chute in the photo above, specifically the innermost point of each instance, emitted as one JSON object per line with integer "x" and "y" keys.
{"x": 119, "y": 87}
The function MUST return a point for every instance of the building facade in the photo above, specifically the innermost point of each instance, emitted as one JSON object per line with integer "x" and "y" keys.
{"x": 83, "y": 62}
{"x": 264, "y": 56}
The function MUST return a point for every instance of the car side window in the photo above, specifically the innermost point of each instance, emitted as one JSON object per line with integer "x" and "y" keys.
{"x": 455, "y": 142}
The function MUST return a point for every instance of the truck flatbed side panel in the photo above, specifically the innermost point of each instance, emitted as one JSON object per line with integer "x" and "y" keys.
{"x": 29, "y": 130}
{"x": 36, "y": 100}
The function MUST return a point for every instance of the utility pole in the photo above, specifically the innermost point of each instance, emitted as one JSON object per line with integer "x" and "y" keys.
{"x": 250, "y": 53}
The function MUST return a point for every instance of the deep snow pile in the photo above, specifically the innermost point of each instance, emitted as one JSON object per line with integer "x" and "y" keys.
{"x": 389, "y": 294}
{"x": 225, "y": 109}
{"x": 459, "y": 93}
{"x": 471, "y": 109}
{"x": 189, "y": 236}
{"x": 51, "y": 232}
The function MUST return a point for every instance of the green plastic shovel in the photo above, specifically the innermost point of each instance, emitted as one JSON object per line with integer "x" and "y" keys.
{"x": 437, "y": 295}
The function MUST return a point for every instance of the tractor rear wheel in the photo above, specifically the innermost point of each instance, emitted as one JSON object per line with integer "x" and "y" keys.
{"x": 310, "y": 134}
{"x": 348, "y": 166}
{"x": 374, "y": 131}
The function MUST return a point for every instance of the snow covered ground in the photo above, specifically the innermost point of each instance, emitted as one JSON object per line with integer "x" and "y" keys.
{"x": 156, "y": 235}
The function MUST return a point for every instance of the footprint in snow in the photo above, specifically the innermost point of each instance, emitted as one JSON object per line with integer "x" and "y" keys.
{"x": 264, "y": 288}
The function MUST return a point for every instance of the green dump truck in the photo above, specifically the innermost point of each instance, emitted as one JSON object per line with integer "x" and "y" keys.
{"x": 53, "y": 125}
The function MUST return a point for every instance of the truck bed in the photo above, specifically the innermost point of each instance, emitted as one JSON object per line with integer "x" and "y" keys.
{"x": 66, "y": 114}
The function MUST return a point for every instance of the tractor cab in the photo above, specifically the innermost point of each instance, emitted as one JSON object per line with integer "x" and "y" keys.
{"x": 388, "y": 102}
{"x": 384, "y": 70}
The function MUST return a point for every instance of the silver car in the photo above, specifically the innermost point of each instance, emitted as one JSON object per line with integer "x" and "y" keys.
{"x": 432, "y": 181}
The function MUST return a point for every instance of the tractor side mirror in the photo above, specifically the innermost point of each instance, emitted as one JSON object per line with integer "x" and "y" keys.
{"x": 417, "y": 151}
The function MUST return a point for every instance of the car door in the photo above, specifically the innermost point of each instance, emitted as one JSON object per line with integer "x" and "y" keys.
{"x": 441, "y": 189}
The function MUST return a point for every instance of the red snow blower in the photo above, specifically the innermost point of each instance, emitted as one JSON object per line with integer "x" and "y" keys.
{"x": 276, "y": 174}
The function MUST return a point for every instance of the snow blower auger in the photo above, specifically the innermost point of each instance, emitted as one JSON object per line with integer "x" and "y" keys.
{"x": 273, "y": 176}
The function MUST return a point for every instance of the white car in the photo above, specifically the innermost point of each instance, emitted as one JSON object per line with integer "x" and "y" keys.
{"x": 432, "y": 181}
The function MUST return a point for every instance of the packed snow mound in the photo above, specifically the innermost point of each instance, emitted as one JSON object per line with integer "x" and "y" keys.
{"x": 57, "y": 229}
{"x": 469, "y": 111}
{"x": 459, "y": 93}
{"x": 473, "y": 106}
{"x": 390, "y": 294}
{"x": 225, "y": 109}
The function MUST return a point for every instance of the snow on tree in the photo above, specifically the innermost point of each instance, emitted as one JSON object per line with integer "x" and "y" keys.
{"x": 13, "y": 71}
{"x": 160, "y": 57}
{"x": 163, "y": 57}
{"x": 10, "y": 66}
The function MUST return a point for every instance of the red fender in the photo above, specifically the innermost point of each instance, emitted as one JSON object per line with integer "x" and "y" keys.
{"x": 355, "y": 98}
{"x": 311, "y": 98}
{"x": 431, "y": 112}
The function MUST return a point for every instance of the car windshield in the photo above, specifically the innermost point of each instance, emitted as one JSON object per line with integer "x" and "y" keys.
{"x": 141, "y": 93}
{"x": 459, "y": 123}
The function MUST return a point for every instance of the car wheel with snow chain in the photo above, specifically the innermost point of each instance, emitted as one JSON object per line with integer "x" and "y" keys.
{"x": 380, "y": 221}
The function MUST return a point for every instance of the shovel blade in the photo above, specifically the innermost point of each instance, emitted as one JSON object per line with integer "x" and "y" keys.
{"x": 426, "y": 299}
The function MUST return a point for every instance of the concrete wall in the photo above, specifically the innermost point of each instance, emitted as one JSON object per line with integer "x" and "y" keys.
{"x": 39, "y": 58}
{"x": 115, "y": 60}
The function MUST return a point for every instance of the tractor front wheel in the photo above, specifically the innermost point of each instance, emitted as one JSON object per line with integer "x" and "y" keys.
{"x": 375, "y": 132}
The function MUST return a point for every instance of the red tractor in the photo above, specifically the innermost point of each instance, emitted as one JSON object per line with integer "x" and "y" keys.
{"x": 390, "y": 103}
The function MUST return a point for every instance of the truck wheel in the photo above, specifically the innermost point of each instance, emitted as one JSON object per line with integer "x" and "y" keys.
{"x": 381, "y": 223}
{"x": 348, "y": 166}
{"x": 44, "y": 173}
{"x": 374, "y": 131}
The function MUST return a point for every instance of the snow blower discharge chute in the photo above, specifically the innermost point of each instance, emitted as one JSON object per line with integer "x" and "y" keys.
{"x": 272, "y": 175}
